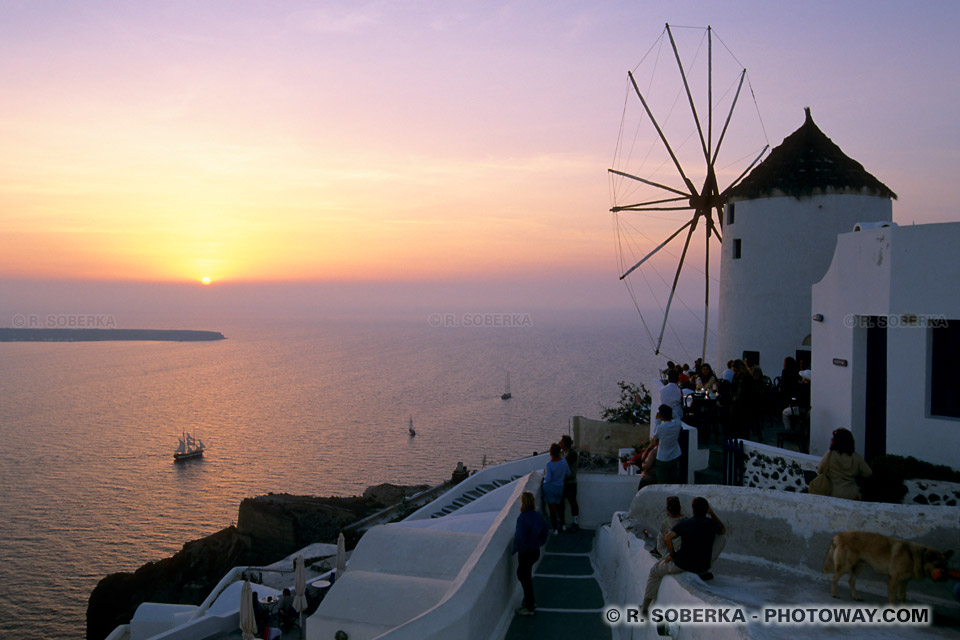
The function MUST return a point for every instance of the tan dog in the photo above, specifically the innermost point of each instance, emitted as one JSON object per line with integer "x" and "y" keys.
{"x": 899, "y": 559}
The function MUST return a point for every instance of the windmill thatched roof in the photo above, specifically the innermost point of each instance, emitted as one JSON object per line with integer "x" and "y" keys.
{"x": 808, "y": 163}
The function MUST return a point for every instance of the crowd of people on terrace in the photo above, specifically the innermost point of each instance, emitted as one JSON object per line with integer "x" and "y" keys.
{"x": 742, "y": 393}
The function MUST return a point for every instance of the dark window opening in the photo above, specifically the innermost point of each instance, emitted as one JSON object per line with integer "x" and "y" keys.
{"x": 730, "y": 211}
{"x": 736, "y": 248}
{"x": 944, "y": 354}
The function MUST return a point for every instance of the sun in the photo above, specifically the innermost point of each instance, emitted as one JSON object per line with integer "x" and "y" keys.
{"x": 206, "y": 280}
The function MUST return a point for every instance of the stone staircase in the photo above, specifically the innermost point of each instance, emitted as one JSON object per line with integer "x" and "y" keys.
{"x": 469, "y": 496}
{"x": 569, "y": 599}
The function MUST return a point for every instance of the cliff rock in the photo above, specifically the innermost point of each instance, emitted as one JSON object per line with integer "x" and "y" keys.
{"x": 268, "y": 529}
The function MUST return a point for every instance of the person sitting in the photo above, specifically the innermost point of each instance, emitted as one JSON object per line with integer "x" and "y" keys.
{"x": 286, "y": 613}
{"x": 843, "y": 466}
{"x": 789, "y": 383}
{"x": 728, "y": 372}
{"x": 684, "y": 378}
{"x": 708, "y": 380}
{"x": 702, "y": 543}
{"x": 674, "y": 516}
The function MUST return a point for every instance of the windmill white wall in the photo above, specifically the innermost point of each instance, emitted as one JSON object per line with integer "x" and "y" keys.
{"x": 909, "y": 277}
{"x": 785, "y": 244}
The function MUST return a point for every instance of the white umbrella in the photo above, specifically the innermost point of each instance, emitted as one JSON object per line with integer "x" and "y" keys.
{"x": 341, "y": 555}
{"x": 300, "y": 581}
{"x": 248, "y": 624}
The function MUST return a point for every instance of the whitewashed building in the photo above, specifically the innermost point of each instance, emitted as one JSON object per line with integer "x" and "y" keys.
{"x": 780, "y": 227}
{"x": 886, "y": 343}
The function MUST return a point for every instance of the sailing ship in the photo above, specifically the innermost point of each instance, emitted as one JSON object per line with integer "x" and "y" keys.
{"x": 412, "y": 432}
{"x": 190, "y": 447}
{"x": 506, "y": 395}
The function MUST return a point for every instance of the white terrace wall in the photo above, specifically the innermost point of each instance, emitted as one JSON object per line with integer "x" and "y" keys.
{"x": 765, "y": 524}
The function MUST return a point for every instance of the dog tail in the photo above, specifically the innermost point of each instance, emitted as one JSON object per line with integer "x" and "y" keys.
{"x": 828, "y": 566}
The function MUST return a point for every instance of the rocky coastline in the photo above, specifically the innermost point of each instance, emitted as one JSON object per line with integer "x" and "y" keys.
{"x": 106, "y": 335}
{"x": 269, "y": 528}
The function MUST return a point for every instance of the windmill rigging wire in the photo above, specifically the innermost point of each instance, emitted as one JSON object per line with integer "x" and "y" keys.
{"x": 757, "y": 106}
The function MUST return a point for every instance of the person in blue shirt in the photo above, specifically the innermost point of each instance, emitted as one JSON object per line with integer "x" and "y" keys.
{"x": 554, "y": 475}
{"x": 531, "y": 534}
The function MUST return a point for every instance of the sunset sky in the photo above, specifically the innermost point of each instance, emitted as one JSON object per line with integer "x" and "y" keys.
{"x": 407, "y": 141}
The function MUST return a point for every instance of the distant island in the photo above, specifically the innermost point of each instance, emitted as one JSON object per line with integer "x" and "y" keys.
{"x": 103, "y": 335}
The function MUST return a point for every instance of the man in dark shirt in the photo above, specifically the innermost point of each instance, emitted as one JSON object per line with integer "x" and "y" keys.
{"x": 697, "y": 554}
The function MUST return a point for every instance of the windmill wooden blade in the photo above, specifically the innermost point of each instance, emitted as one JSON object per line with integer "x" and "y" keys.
{"x": 663, "y": 138}
{"x": 726, "y": 124}
{"x": 648, "y": 205}
{"x": 746, "y": 171}
{"x": 649, "y": 182}
{"x": 660, "y": 246}
{"x": 676, "y": 279}
{"x": 686, "y": 86}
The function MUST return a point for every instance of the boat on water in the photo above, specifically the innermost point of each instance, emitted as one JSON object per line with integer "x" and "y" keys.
{"x": 412, "y": 432}
{"x": 506, "y": 395}
{"x": 189, "y": 447}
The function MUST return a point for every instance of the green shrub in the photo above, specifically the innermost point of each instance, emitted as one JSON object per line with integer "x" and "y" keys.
{"x": 633, "y": 406}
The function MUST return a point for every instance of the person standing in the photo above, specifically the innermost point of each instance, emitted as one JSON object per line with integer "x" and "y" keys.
{"x": 572, "y": 458}
{"x": 702, "y": 543}
{"x": 531, "y": 534}
{"x": 554, "y": 475}
{"x": 670, "y": 394}
{"x": 666, "y": 437}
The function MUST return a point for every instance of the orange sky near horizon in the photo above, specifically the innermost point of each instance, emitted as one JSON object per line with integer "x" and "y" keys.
{"x": 254, "y": 142}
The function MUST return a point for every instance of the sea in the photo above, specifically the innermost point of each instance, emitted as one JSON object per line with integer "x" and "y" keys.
{"x": 88, "y": 485}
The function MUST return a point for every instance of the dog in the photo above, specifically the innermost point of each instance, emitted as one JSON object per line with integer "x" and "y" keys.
{"x": 899, "y": 559}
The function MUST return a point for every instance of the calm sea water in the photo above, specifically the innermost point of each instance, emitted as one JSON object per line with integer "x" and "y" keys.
{"x": 87, "y": 479}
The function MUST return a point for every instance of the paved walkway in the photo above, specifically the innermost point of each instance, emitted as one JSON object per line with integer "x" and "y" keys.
{"x": 569, "y": 599}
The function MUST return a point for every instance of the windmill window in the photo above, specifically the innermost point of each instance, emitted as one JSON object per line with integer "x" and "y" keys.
{"x": 730, "y": 211}
{"x": 944, "y": 352}
{"x": 736, "y": 248}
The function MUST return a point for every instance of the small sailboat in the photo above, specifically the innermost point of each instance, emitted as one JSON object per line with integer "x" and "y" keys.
{"x": 506, "y": 395}
{"x": 412, "y": 432}
{"x": 189, "y": 447}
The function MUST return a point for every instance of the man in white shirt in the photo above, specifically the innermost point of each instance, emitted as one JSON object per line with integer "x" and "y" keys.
{"x": 728, "y": 373}
{"x": 671, "y": 395}
{"x": 666, "y": 436}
